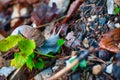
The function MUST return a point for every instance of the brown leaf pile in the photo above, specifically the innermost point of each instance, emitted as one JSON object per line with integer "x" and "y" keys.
{"x": 111, "y": 40}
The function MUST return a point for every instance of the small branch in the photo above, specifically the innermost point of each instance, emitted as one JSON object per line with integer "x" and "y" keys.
{"x": 64, "y": 70}
{"x": 68, "y": 68}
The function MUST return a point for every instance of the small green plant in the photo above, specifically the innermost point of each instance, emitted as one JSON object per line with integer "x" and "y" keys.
{"x": 26, "y": 54}
{"x": 26, "y": 51}
{"x": 116, "y": 10}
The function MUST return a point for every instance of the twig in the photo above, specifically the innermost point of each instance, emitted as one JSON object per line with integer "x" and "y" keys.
{"x": 100, "y": 60}
{"x": 68, "y": 68}
{"x": 108, "y": 76}
{"x": 52, "y": 21}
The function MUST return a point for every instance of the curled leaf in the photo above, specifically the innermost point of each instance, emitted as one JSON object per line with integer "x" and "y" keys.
{"x": 111, "y": 40}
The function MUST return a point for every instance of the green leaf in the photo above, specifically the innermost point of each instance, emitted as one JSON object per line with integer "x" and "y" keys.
{"x": 25, "y": 55}
{"x": 116, "y": 10}
{"x": 18, "y": 61}
{"x": 30, "y": 64}
{"x": 39, "y": 64}
{"x": 61, "y": 42}
{"x": 83, "y": 63}
{"x": 9, "y": 42}
{"x": 26, "y": 47}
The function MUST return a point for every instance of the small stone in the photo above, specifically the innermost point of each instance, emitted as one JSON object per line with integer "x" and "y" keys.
{"x": 93, "y": 17}
{"x": 6, "y": 71}
{"x": 117, "y": 25}
{"x": 102, "y": 21}
{"x": 75, "y": 76}
{"x": 89, "y": 19}
{"x": 44, "y": 75}
{"x": 96, "y": 69}
{"x": 1, "y": 37}
{"x": 109, "y": 69}
{"x": 86, "y": 43}
{"x": 110, "y": 24}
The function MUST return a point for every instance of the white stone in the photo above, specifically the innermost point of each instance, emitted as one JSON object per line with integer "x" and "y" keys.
{"x": 86, "y": 43}
{"x": 23, "y": 11}
{"x": 93, "y": 17}
{"x": 15, "y": 11}
{"x": 109, "y": 69}
{"x": 117, "y": 25}
{"x": 6, "y": 70}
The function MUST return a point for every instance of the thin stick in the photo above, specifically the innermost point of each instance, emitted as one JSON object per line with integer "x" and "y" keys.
{"x": 67, "y": 68}
{"x": 64, "y": 70}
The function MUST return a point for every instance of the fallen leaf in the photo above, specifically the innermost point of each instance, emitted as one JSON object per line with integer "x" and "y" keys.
{"x": 73, "y": 8}
{"x": 111, "y": 40}
{"x": 44, "y": 14}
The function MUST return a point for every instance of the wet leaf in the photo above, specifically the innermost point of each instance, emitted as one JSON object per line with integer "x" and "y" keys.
{"x": 111, "y": 40}
{"x": 44, "y": 14}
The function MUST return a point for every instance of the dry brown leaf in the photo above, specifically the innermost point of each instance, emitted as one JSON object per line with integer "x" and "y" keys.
{"x": 111, "y": 40}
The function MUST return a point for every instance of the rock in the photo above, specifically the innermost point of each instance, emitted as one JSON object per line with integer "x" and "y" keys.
{"x": 116, "y": 70}
{"x": 86, "y": 43}
{"x": 110, "y": 24}
{"x": 6, "y": 71}
{"x": 117, "y": 25}
{"x": 75, "y": 76}
{"x": 44, "y": 75}
{"x": 104, "y": 55}
{"x": 97, "y": 69}
{"x": 93, "y": 17}
{"x": 1, "y": 37}
{"x": 102, "y": 21}
{"x": 109, "y": 69}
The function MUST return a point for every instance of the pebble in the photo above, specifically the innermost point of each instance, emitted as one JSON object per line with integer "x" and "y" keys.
{"x": 109, "y": 69}
{"x": 75, "y": 76}
{"x": 93, "y": 17}
{"x": 102, "y": 21}
{"x": 86, "y": 43}
{"x": 117, "y": 25}
{"x": 6, "y": 71}
{"x": 1, "y": 37}
{"x": 110, "y": 24}
{"x": 44, "y": 75}
{"x": 96, "y": 70}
